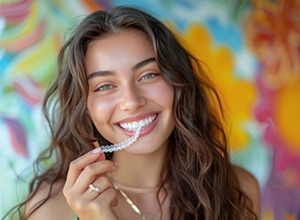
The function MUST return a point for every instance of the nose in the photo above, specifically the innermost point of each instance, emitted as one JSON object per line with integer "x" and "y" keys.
{"x": 132, "y": 98}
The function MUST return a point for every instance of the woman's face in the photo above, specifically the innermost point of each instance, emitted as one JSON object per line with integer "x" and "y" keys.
{"x": 126, "y": 88}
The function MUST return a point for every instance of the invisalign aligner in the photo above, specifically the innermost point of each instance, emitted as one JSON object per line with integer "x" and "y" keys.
{"x": 120, "y": 146}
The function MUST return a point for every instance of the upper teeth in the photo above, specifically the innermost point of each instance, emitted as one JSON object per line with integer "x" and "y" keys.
{"x": 134, "y": 125}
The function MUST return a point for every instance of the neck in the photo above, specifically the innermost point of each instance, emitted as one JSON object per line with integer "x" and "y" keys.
{"x": 139, "y": 170}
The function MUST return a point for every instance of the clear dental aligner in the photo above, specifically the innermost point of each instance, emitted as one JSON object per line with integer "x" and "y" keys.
{"x": 120, "y": 146}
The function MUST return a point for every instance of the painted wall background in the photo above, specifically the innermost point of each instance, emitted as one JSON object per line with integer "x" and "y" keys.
{"x": 252, "y": 49}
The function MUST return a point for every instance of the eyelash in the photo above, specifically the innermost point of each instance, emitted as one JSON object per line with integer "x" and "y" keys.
{"x": 108, "y": 86}
{"x": 104, "y": 87}
{"x": 152, "y": 75}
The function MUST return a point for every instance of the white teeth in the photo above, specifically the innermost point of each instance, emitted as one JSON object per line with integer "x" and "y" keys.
{"x": 141, "y": 123}
{"x": 134, "y": 125}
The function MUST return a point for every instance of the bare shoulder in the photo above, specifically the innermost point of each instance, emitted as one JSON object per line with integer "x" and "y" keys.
{"x": 54, "y": 208}
{"x": 249, "y": 185}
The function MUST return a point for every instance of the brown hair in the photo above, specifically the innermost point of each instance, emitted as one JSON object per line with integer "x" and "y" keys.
{"x": 202, "y": 182}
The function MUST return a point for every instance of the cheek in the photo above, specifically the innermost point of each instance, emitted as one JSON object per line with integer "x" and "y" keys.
{"x": 99, "y": 109}
{"x": 169, "y": 97}
{"x": 163, "y": 94}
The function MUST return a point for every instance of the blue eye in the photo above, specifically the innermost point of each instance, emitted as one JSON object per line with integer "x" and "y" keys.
{"x": 104, "y": 87}
{"x": 149, "y": 76}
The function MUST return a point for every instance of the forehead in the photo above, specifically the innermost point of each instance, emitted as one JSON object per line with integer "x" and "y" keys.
{"x": 123, "y": 39}
{"x": 127, "y": 47}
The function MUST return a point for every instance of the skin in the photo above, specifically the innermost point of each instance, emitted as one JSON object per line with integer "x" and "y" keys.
{"x": 125, "y": 85}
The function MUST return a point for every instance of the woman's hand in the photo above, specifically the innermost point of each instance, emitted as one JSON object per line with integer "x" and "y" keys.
{"x": 88, "y": 204}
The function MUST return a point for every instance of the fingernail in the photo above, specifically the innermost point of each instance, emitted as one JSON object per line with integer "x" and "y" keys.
{"x": 96, "y": 150}
{"x": 116, "y": 165}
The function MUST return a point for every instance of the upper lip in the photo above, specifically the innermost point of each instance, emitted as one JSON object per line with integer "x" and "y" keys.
{"x": 137, "y": 118}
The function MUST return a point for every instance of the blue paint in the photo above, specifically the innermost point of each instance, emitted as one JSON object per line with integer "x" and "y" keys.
{"x": 230, "y": 35}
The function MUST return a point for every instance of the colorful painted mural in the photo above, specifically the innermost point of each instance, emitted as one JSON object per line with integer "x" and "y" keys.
{"x": 251, "y": 49}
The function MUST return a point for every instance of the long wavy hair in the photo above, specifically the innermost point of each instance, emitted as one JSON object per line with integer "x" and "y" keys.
{"x": 201, "y": 179}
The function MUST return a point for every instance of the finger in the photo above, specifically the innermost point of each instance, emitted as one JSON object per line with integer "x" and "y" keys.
{"x": 100, "y": 206}
{"x": 101, "y": 157}
{"x": 91, "y": 172}
{"x": 107, "y": 199}
{"x": 102, "y": 183}
{"x": 80, "y": 163}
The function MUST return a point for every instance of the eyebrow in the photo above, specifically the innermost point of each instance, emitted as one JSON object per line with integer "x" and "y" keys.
{"x": 110, "y": 73}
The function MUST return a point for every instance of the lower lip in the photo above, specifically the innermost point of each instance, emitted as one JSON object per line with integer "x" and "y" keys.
{"x": 144, "y": 131}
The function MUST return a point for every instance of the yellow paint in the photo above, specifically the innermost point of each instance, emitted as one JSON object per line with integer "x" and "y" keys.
{"x": 287, "y": 114}
{"x": 38, "y": 61}
{"x": 268, "y": 215}
{"x": 26, "y": 27}
{"x": 238, "y": 95}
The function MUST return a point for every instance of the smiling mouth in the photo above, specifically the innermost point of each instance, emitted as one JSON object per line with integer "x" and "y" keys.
{"x": 141, "y": 123}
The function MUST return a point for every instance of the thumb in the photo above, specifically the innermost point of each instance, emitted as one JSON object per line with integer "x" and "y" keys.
{"x": 101, "y": 157}
{"x": 98, "y": 149}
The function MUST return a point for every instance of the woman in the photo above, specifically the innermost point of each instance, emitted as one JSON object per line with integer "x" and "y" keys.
{"x": 120, "y": 70}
